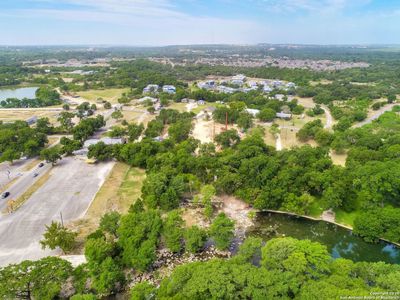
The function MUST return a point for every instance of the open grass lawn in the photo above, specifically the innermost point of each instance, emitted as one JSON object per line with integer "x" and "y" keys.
{"x": 181, "y": 107}
{"x": 110, "y": 95}
{"x": 346, "y": 218}
{"x": 338, "y": 159}
{"x": 11, "y": 115}
{"x": 119, "y": 191}
{"x": 316, "y": 209}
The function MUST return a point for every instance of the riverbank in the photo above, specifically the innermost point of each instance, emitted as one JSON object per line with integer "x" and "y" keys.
{"x": 324, "y": 220}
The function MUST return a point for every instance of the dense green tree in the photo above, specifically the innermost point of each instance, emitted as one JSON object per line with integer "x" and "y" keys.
{"x": 57, "y": 235}
{"x": 109, "y": 222}
{"x": 65, "y": 119}
{"x": 40, "y": 279}
{"x": 108, "y": 277}
{"x": 245, "y": 120}
{"x": 173, "y": 231}
{"x": 195, "y": 238}
{"x": 222, "y": 231}
{"x": 51, "y": 155}
{"x": 138, "y": 238}
{"x": 101, "y": 152}
{"x": 135, "y": 131}
{"x": 43, "y": 125}
{"x": 267, "y": 115}
{"x": 228, "y": 138}
{"x": 143, "y": 291}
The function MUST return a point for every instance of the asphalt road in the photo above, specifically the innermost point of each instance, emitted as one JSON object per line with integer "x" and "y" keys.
{"x": 23, "y": 183}
{"x": 8, "y": 171}
{"x": 70, "y": 189}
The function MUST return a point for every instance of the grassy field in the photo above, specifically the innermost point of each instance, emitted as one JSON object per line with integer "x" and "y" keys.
{"x": 110, "y": 95}
{"x": 13, "y": 115}
{"x": 121, "y": 189}
{"x": 316, "y": 209}
{"x": 181, "y": 107}
{"x": 346, "y": 218}
{"x": 338, "y": 159}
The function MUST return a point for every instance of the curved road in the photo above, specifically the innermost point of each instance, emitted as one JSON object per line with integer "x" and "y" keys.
{"x": 329, "y": 118}
{"x": 376, "y": 115}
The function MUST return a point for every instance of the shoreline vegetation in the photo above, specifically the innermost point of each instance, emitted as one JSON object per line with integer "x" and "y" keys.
{"x": 324, "y": 220}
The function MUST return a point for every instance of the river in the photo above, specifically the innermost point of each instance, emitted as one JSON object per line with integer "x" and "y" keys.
{"x": 339, "y": 241}
{"x": 19, "y": 93}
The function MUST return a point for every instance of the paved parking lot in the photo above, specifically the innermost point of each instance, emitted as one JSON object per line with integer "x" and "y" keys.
{"x": 70, "y": 189}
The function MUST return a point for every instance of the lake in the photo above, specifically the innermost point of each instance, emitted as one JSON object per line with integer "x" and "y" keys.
{"x": 20, "y": 93}
{"x": 339, "y": 241}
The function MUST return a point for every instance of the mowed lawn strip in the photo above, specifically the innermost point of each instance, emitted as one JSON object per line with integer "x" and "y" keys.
{"x": 110, "y": 95}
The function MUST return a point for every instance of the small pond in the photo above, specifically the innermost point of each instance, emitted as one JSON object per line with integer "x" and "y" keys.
{"x": 339, "y": 241}
{"x": 20, "y": 93}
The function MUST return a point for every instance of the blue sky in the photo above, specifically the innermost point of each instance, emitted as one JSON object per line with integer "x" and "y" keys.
{"x": 167, "y": 22}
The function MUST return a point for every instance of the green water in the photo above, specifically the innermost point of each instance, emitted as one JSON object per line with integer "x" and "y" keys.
{"x": 20, "y": 93}
{"x": 339, "y": 241}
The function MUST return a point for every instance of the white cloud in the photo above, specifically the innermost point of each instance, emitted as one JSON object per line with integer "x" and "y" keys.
{"x": 311, "y": 6}
{"x": 139, "y": 22}
{"x": 154, "y": 8}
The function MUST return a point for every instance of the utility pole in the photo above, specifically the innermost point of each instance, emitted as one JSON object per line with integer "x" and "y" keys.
{"x": 62, "y": 221}
{"x": 213, "y": 131}
{"x": 226, "y": 121}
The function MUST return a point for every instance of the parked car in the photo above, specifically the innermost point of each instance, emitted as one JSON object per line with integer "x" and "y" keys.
{"x": 41, "y": 165}
{"x": 5, "y": 195}
{"x": 35, "y": 174}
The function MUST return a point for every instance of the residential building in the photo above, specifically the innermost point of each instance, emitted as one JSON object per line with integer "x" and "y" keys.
{"x": 252, "y": 84}
{"x": 201, "y": 102}
{"x": 106, "y": 140}
{"x": 283, "y": 115}
{"x": 208, "y": 85}
{"x": 267, "y": 89}
{"x": 280, "y": 97}
{"x": 240, "y": 77}
{"x": 253, "y": 112}
{"x": 290, "y": 85}
{"x": 151, "y": 88}
{"x": 225, "y": 89}
{"x": 170, "y": 89}
{"x": 32, "y": 120}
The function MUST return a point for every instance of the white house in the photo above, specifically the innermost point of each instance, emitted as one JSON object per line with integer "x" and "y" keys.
{"x": 280, "y": 97}
{"x": 209, "y": 84}
{"x": 240, "y": 77}
{"x": 170, "y": 89}
{"x": 252, "y": 84}
{"x": 201, "y": 102}
{"x": 253, "y": 112}
{"x": 283, "y": 115}
{"x": 225, "y": 89}
{"x": 290, "y": 85}
{"x": 267, "y": 89}
{"x": 151, "y": 88}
